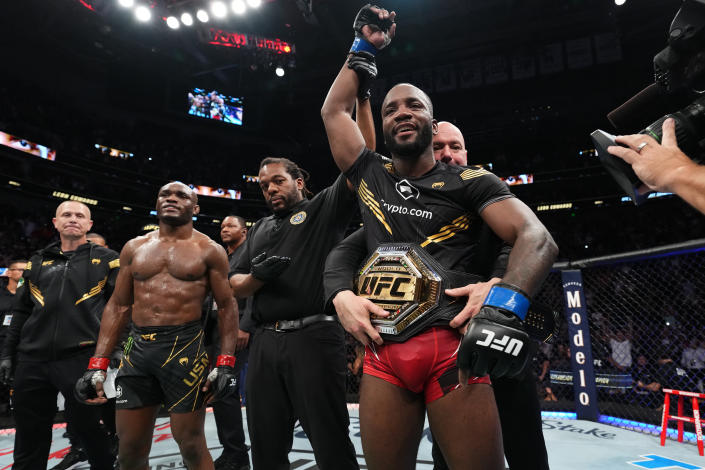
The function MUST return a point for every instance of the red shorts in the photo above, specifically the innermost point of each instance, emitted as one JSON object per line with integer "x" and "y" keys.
{"x": 423, "y": 363}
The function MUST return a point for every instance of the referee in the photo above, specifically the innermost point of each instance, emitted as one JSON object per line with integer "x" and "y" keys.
{"x": 297, "y": 357}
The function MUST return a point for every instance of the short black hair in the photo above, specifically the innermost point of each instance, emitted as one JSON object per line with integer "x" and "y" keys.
{"x": 241, "y": 220}
{"x": 292, "y": 168}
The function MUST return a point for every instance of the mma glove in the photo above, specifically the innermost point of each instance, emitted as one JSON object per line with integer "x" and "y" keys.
{"x": 86, "y": 386}
{"x": 363, "y": 63}
{"x": 362, "y": 53}
{"x": 223, "y": 378}
{"x": 267, "y": 269}
{"x": 6, "y": 370}
{"x": 495, "y": 342}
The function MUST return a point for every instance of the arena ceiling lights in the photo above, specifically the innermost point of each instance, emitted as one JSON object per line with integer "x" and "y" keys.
{"x": 181, "y": 13}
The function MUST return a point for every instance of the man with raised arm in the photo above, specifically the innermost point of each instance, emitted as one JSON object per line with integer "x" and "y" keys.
{"x": 438, "y": 208}
{"x": 516, "y": 397}
{"x": 166, "y": 276}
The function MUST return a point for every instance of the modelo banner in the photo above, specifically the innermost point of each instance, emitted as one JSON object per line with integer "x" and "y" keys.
{"x": 580, "y": 348}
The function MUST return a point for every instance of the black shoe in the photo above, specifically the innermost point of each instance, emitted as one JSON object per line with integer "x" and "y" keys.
{"x": 74, "y": 457}
{"x": 228, "y": 462}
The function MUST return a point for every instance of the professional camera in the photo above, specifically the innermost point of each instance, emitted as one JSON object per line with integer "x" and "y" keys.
{"x": 679, "y": 79}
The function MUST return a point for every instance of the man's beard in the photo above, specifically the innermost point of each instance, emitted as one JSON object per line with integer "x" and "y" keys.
{"x": 410, "y": 149}
{"x": 289, "y": 201}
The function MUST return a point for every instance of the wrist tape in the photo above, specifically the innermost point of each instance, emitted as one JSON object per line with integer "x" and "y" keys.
{"x": 508, "y": 297}
{"x": 101, "y": 363}
{"x": 225, "y": 360}
{"x": 360, "y": 45}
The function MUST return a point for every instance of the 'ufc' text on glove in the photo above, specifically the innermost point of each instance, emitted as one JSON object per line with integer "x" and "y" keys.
{"x": 496, "y": 342}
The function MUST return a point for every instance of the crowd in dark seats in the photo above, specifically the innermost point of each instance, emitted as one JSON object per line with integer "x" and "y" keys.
{"x": 177, "y": 147}
{"x": 644, "y": 318}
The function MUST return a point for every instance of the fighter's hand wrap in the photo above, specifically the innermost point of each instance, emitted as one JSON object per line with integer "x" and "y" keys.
{"x": 96, "y": 372}
{"x": 223, "y": 378}
{"x": 5, "y": 370}
{"x": 267, "y": 269}
{"x": 495, "y": 342}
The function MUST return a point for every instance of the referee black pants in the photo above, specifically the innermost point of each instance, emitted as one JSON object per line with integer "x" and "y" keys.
{"x": 36, "y": 387}
{"x": 300, "y": 375}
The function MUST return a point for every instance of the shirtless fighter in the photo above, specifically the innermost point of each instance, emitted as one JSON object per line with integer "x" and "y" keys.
{"x": 165, "y": 277}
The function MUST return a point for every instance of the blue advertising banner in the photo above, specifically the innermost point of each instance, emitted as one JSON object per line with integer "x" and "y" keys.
{"x": 580, "y": 347}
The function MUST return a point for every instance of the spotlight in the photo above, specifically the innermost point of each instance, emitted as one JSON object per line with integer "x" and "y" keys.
{"x": 620, "y": 2}
{"x": 202, "y": 16}
{"x": 254, "y": 3}
{"x": 187, "y": 19}
{"x": 172, "y": 22}
{"x": 279, "y": 71}
{"x": 126, "y": 3}
{"x": 142, "y": 13}
{"x": 238, "y": 7}
{"x": 219, "y": 9}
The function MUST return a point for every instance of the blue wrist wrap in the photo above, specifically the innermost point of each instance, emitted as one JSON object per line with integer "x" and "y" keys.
{"x": 360, "y": 45}
{"x": 508, "y": 299}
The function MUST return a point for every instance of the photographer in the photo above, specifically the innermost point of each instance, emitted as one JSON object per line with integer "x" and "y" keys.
{"x": 663, "y": 167}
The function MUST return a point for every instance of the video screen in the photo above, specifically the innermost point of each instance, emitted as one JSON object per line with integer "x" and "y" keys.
{"x": 518, "y": 179}
{"x": 113, "y": 152}
{"x": 216, "y": 192}
{"x": 27, "y": 146}
{"x": 215, "y": 105}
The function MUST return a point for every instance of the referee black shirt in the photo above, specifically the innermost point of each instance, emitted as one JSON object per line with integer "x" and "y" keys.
{"x": 306, "y": 234}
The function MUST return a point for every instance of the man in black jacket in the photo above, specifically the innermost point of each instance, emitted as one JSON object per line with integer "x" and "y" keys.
{"x": 54, "y": 328}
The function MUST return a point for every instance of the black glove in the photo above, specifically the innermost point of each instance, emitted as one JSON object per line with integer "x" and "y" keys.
{"x": 362, "y": 58}
{"x": 223, "y": 378}
{"x": 86, "y": 386}
{"x": 267, "y": 269}
{"x": 363, "y": 63}
{"x": 367, "y": 17}
{"x": 496, "y": 343}
{"x": 6, "y": 370}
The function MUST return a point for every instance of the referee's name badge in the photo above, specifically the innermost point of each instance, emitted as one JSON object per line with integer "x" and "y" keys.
{"x": 298, "y": 218}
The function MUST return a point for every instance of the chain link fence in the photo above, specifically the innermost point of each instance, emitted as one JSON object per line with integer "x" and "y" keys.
{"x": 645, "y": 311}
{"x": 551, "y": 363}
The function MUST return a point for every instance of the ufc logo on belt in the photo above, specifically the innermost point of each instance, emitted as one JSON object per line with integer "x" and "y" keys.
{"x": 513, "y": 348}
{"x": 396, "y": 286}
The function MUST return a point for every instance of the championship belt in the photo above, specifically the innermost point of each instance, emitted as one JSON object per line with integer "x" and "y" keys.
{"x": 410, "y": 284}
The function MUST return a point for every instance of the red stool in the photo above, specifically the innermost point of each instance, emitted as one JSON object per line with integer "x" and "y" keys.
{"x": 680, "y": 418}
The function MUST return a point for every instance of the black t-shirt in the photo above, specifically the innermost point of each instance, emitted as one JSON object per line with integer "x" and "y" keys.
{"x": 306, "y": 234}
{"x": 6, "y": 299}
{"x": 438, "y": 210}
{"x": 232, "y": 261}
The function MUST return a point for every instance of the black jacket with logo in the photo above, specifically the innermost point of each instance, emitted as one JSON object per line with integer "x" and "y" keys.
{"x": 58, "y": 308}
